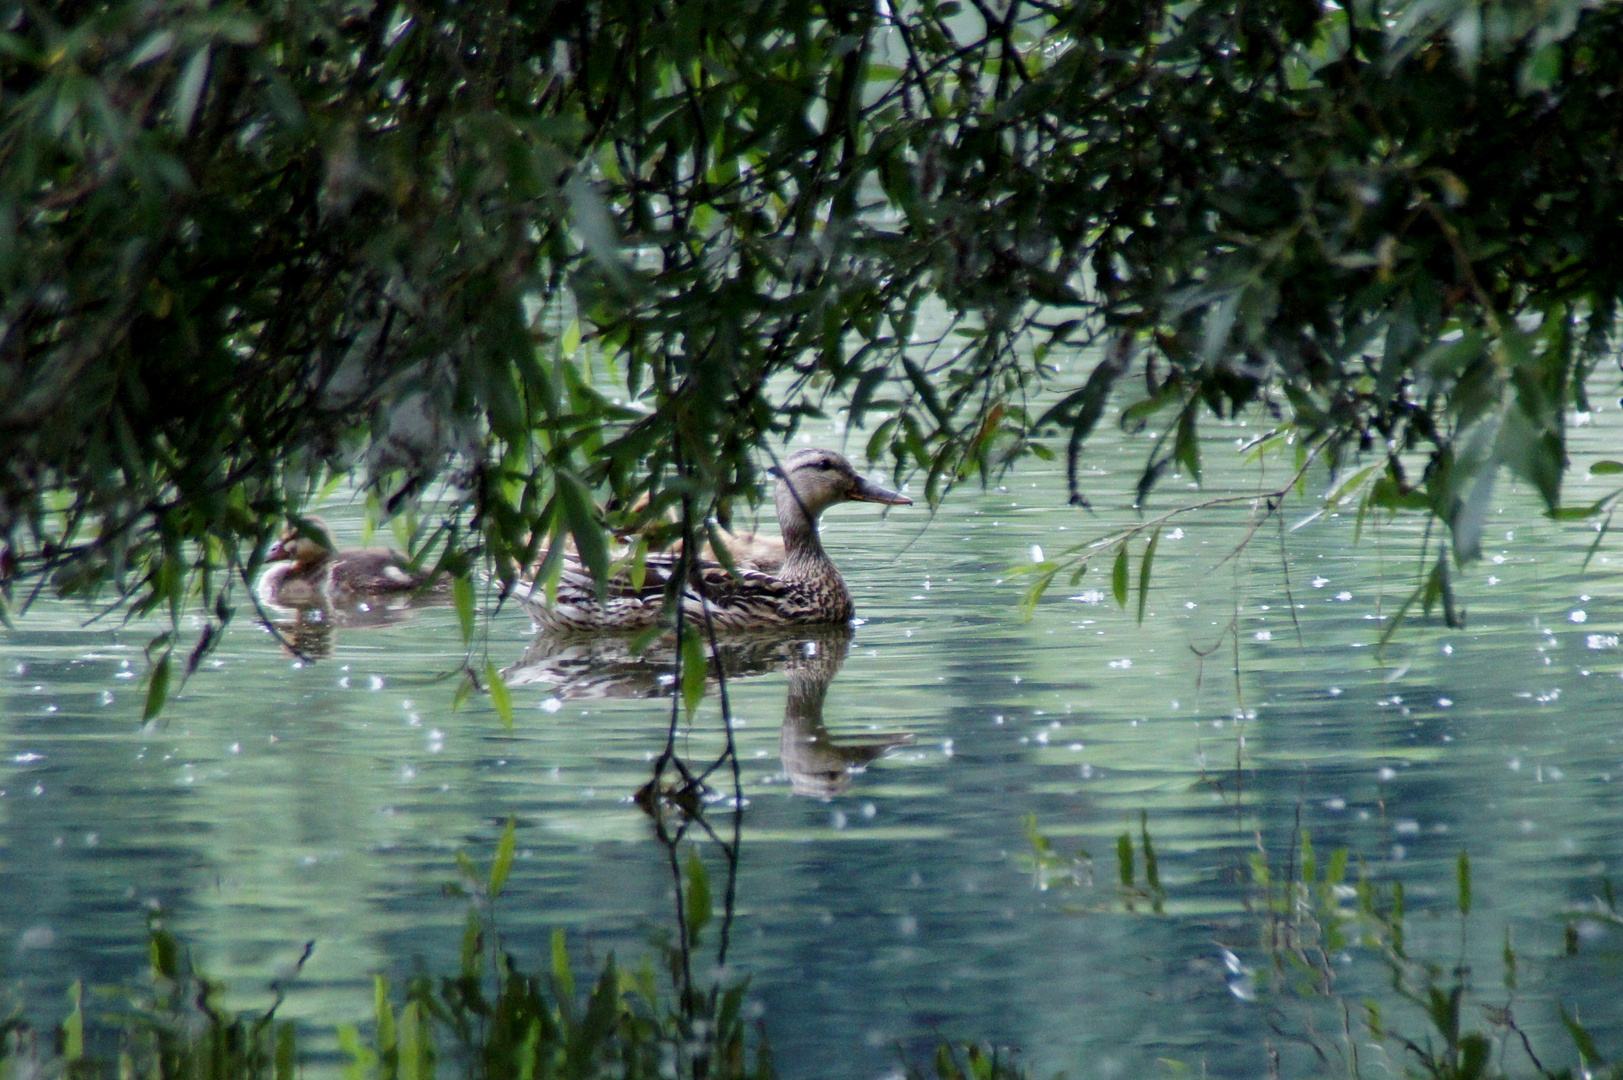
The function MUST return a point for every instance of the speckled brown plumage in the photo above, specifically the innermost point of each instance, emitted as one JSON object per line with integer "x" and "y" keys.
{"x": 805, "y": 589}
{"x": 303, "y": 570}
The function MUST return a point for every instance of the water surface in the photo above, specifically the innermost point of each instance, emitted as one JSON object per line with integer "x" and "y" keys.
{"x": 282, "y": 802}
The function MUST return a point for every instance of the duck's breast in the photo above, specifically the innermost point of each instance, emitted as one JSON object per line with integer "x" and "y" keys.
{"x": 288, "y": 584}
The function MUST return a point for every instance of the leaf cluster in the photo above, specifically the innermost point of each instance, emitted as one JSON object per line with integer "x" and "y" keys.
{"x": 558, "y": 267}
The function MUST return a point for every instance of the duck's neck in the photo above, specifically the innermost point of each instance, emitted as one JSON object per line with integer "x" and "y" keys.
{"x": 803, "y": 554}
{"x": 803, "y": 708}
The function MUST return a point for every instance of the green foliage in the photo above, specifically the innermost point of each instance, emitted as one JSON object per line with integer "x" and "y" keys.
{"x": 503, "y": 863}
{"x": 1422, "y": 1019}
{"x": 1050, "y": 868}
{"x": 693, "y": 666}
{"x": 500, "y": 696}
{"x": 172, "y": 1026}
{"x": 247, "y": 249}
{"x": 1309, "y": 917}
{"x": 967, "y": 1062}
{"x": 700, "y": 907}
{"x": 489, "y": 1020}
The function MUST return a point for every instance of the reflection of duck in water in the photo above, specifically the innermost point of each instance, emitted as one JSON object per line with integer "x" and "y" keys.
{"x": 806, "y": 589}
{"x": 604, "y": 666}
{"x": 305, "y": 570}
{"x": 815, "y": 763}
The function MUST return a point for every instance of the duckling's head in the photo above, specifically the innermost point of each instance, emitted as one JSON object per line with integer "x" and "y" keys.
{"x": 813, "y": 480}
{"x": 305, "y": 542}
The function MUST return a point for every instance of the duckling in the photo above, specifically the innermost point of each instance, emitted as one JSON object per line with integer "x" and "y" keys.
{"x": 748, "y": 550}
{"x": 303, "y": 570}
{"x": 805, "y": 587}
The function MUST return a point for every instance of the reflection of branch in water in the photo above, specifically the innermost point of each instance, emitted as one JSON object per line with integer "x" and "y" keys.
{"x": 656, "y": 797}
{"x": 810, "y": 656}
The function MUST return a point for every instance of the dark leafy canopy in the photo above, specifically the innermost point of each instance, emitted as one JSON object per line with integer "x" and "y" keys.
{"x": 247, "y": 248}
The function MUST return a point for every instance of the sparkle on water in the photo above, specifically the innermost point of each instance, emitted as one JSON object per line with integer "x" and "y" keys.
{"x": 278, "y": 802}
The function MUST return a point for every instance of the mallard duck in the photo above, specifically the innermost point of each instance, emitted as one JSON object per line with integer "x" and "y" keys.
{"x": 805, "y": 588}
{"x": 303, "y": 570}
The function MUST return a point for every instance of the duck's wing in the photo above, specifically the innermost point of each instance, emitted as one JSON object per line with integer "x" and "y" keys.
{"x": 749, "y": 550}
{"x": 578, "y": 607}
{"x": 748, "y": 599}
{"x": 752, "y": 598}
{"x": 288, "y": 585}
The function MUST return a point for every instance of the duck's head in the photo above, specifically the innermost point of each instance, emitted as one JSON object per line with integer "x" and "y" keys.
{"x": 306, "y": 541}
{"x": 814, "y": 480}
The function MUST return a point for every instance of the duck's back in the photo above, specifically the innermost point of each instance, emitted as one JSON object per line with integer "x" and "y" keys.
{"x": 370, "y": 572}
{"x": 748, "y": 600}
{"x": 755, "y": 599}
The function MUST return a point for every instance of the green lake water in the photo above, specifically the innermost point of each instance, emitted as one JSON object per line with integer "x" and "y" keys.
{"x": 282, "y": 803}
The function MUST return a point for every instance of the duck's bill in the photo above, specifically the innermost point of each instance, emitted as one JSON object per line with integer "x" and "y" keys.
{"x": 868, "y": 491}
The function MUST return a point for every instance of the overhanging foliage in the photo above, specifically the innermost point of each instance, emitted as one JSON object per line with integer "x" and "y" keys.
{"x": 244, "y": 249}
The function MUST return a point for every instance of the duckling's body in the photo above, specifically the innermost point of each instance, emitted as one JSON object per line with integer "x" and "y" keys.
{"x": 749, "y": 550}
{"x": 802, "y": 586}
{"x": 746, "y": 550}
{"x": 304, "y": 571}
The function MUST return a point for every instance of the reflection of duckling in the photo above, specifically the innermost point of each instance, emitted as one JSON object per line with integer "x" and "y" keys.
{"x": 817, "y": 765}
{"x": 805, "y": 589}
{"x": 309, "y": 634}
{"x": 304, "y": 571}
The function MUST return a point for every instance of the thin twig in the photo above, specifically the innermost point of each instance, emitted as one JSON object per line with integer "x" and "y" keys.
{"x": 1285, "y": 568}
